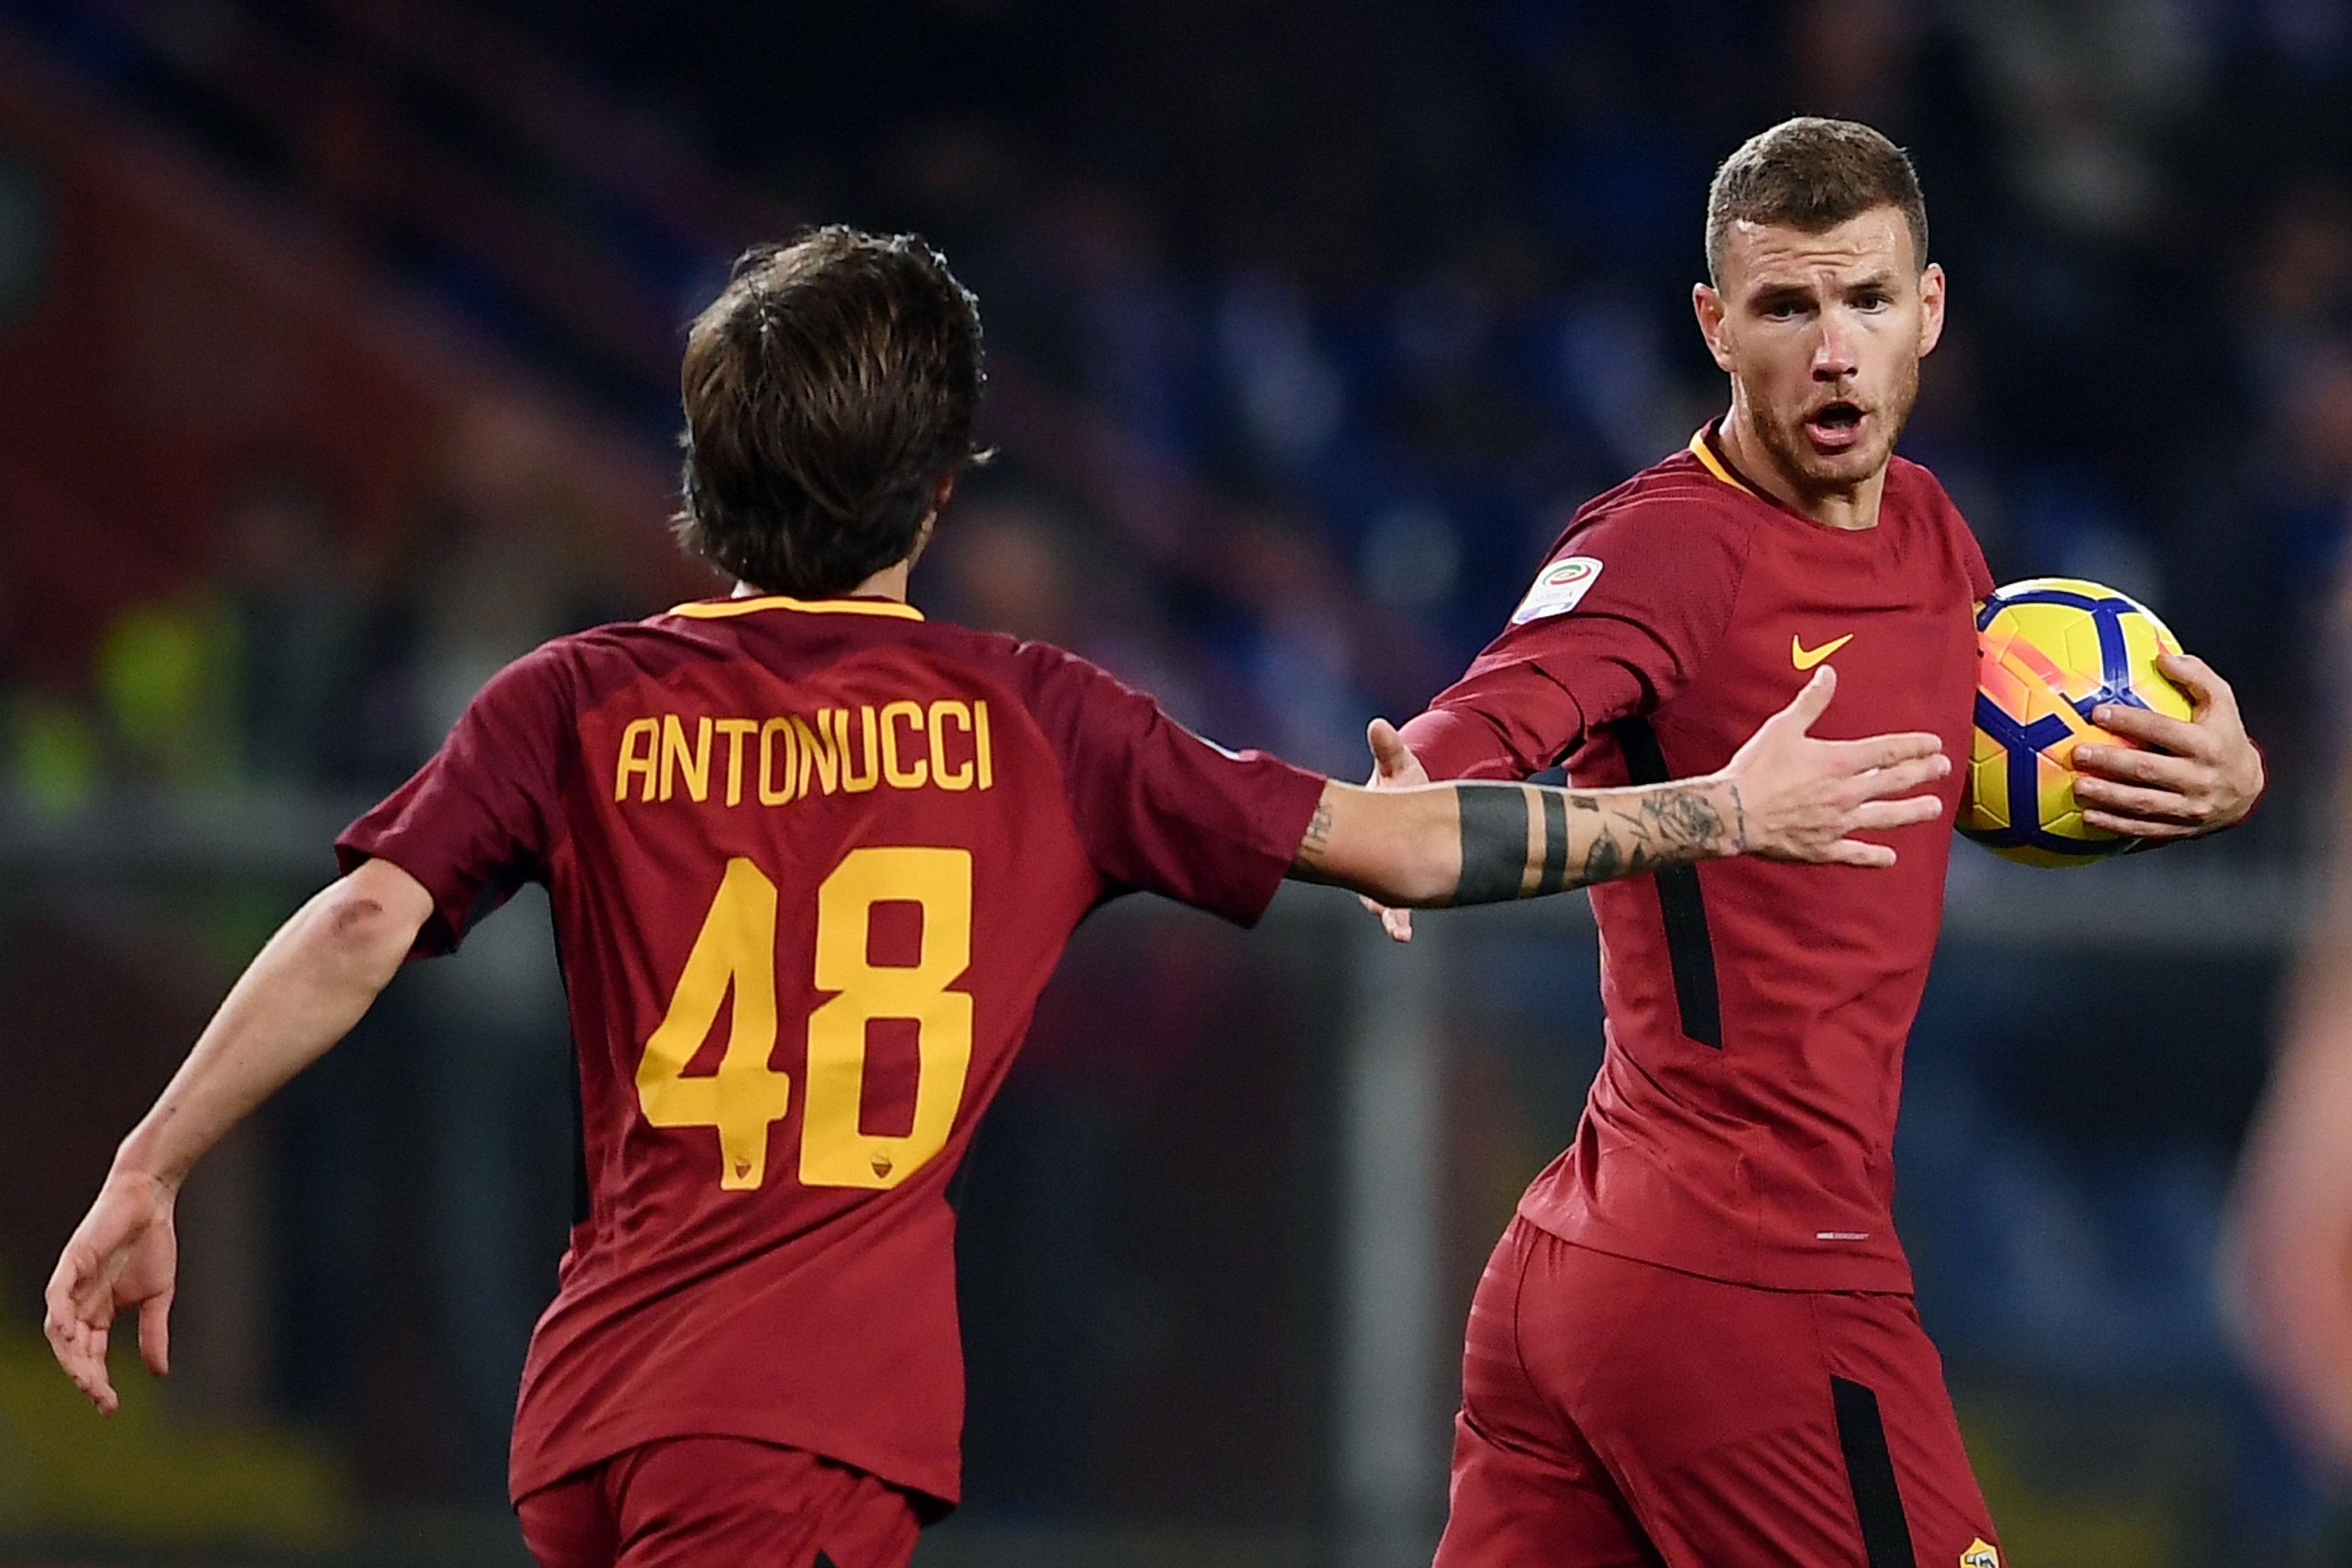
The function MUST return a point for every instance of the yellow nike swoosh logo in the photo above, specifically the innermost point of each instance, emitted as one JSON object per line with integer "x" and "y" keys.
{"x": 1804, "y": 657}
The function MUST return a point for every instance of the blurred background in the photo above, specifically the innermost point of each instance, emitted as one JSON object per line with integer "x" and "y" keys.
{"x": 338, "y": 356}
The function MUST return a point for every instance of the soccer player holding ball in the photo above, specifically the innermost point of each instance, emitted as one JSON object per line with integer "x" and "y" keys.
{"x": 1695, "y": 1344}
{"x": 811, "y": 857}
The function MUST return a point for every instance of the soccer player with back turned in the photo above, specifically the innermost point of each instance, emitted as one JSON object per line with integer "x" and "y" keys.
{"x": 810, "y": 860}
{"x": 1695, "y": 1344}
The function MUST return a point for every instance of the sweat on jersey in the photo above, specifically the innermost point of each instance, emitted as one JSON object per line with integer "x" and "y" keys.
{"x": 1742, "y": 1123}
{"x": 810, "y": 865}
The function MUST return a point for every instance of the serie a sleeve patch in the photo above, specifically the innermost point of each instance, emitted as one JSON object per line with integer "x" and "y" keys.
{"x": 1558, "y": 589}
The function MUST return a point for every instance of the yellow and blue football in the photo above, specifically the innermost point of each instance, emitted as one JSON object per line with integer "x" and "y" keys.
{"x": 2049, "y": 650}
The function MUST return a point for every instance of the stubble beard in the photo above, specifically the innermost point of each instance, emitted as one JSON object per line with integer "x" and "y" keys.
{"x": 1815, "y": 473}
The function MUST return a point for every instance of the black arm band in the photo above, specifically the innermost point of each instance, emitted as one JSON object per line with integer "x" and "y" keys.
{"x": 1494, "y": 843}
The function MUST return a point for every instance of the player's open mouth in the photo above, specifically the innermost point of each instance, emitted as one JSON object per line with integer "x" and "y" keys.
{"x": 1834, "y": 427}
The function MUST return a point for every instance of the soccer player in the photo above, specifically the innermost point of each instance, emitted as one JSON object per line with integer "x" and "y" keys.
{"x": 811, "y": 857}
{"x": 1696, "y": 1343}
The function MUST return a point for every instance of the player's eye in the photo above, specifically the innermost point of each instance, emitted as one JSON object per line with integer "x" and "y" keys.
{"x": 1871, "y": 300}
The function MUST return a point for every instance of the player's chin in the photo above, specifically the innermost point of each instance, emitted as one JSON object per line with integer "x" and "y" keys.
{"x": 1836, "y": 466}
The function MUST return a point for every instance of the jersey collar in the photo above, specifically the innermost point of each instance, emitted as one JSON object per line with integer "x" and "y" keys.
{"x": 1702, "y": 447}
{"x": 1711, "y": 458}
{"x": 716, "y": 609}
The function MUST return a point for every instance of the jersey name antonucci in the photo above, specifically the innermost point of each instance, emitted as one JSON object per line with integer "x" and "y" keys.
{"x": 810, "y": 865}
{"x": 1742, "y": 1123}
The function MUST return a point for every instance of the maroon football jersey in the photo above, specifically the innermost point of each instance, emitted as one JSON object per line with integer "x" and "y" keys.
{"x": 811, "y": 865}
{"x": 1742, "y": 1124}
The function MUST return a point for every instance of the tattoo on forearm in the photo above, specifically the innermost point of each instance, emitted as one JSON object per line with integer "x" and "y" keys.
{"x": 1680, "y": 817}
{"x": 1518, "y": 841}
{"x": 1318, "y": 842}
{"x": 1604, "y": 862}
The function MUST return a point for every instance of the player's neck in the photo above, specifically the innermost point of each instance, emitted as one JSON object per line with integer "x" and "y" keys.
{"x": 1849, "y": 507}
{"x": 890, "y": 583}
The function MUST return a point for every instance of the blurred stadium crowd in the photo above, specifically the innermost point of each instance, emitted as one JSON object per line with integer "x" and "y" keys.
{"x": 338, "y": 356}
{"x": 1395, "y": 286}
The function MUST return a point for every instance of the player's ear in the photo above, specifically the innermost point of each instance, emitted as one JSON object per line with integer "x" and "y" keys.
{"x": 1707, "y": 304}
{"x": 940, "y": 493}
{"x": 1931, "y": 307}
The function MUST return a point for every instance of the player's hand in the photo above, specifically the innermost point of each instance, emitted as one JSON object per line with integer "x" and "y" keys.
{"x": 1804, "y": 799}
{"x": 2197, "y": 776}
{"x": 1393, "y": 767}
{"x": 123, "y": 1254}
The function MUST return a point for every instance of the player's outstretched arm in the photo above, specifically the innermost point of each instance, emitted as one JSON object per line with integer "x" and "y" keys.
{"x": 300, "y": 995}
{"x": 1785, "y": 795}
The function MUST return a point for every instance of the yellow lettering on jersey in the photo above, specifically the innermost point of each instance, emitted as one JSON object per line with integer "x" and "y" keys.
{"x": 852, "y": 782}
{"x": 820, "y": 763}
{"x": 958, "y": 778}
{"x": 746, "y": 1096}
{"x": 771, "y": 791}
{"x": 637, "y": 760}
{"x": 904, "y": 744}
{"x": 836, "y": 1149}
{"x": 675, "y": 759}
{"x": 735, "y": 729}
{"x": 901, "y": 774}
{"x": 737, "y": 953}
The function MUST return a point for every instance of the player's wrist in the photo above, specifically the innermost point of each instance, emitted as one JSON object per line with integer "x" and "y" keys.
{"x": 1720, "y": 792}
{"x": 140, "y": 1160}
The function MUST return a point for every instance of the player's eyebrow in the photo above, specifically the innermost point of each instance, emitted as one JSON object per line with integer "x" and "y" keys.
{"x": 1879, "y": 282}
{"x": 1764, "y": 296}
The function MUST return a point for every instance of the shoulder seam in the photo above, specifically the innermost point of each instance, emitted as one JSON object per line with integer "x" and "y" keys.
{"x": 1015, "y": 652}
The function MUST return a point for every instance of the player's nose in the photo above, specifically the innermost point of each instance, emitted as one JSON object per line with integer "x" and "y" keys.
{"x": 1834, "y": 352}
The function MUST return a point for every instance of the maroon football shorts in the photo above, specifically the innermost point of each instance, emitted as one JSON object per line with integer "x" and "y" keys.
{"x": 719, "y": 1502}
{"x": 1616, "y": 1414}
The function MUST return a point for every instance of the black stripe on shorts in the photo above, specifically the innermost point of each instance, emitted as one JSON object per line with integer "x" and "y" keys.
{"x": 1870, "y": 1471}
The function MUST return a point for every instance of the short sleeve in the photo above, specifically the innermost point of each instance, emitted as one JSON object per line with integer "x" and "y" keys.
{"x": 1157, "y": 807}
{"x": 1980, "y": 582}
{"x": 1959, "y": 538}
{"x": 1617, "y": 622}
{"x": 478, "y": 820}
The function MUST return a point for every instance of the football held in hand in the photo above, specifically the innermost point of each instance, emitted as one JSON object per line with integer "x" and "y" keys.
{"x": 2051, "y": 650}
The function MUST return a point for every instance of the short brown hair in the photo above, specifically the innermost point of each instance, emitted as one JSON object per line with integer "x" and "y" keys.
{"x": 1812, "y": 174}
{"x": 828, "y": 389}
